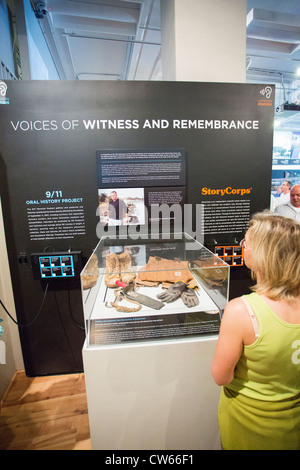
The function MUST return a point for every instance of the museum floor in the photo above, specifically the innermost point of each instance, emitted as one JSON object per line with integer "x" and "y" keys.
{"x": 45, "y": 413}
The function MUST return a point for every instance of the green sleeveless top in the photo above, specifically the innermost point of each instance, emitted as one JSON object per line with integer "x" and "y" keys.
{"x": 269, "y": 369}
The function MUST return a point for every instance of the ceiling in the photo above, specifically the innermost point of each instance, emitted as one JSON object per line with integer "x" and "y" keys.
{"x": 273, "y": 54}
{"x": 120, "y": 40}
{"x": 103, "y": 39}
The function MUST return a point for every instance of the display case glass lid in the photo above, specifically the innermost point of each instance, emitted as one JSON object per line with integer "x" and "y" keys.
{"x": 126, "y": 254}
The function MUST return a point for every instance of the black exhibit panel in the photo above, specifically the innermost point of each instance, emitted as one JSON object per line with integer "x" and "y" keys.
{"x": 202, "y": 149}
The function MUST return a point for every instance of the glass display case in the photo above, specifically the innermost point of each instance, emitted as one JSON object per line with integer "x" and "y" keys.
{"x": 152, "y": 289}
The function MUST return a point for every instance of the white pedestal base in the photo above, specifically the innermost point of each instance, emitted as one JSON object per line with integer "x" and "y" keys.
{"x": 153, "y": 395}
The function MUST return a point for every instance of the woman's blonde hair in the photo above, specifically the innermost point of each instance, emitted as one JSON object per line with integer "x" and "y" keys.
{"x": 275, "y": 251}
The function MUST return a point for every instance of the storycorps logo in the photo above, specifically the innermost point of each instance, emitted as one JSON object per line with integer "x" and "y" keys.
{"x": 225, "y": 191}
{"x": 266, "y": 93}
{"x": 3, "y": 90}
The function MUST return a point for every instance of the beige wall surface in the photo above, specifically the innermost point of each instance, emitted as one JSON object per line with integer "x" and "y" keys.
{"x": 197, "y": 44}
{"x": 14, "y": 360}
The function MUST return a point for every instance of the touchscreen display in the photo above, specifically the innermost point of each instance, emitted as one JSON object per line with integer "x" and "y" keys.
{"x": 56, "y": 266}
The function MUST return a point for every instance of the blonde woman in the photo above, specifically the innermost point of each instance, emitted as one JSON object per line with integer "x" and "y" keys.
{"x": 257, "y": 358}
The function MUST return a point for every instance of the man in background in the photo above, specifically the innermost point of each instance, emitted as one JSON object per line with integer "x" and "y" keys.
{"x": 285, "y": 195}
{"x": 291, "y": 209}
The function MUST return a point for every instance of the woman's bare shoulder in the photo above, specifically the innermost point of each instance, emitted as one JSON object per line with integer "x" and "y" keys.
{"x": 236, "y": 307}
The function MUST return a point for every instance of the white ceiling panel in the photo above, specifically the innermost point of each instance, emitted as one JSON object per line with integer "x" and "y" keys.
{"x": 105, "y": 60}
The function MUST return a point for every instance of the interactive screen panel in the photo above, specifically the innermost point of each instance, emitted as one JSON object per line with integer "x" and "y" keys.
{"x": 232, "y": 255}
{"x": 56, "y": 265}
